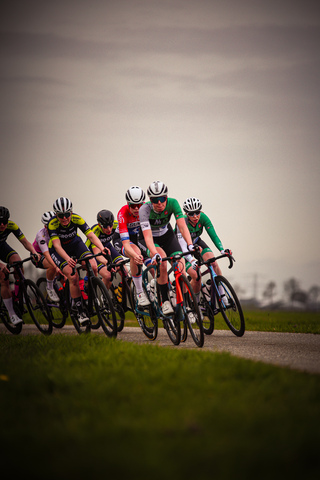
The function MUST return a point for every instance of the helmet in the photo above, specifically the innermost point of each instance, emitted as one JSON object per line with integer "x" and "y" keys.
{"x": 62, "y": 205}
{"x": 135, "y": 195}
{"x": 105, "y": 218}
{"x": 192, "y": 204}
{"x": 157, "y": 189}
{"x": 4, "y": 214}
{"x": 46, "y": 217}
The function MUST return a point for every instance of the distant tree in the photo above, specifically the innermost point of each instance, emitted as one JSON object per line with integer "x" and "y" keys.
{"x": 314, "y": 293}
{"x": 291, "y": 287}
{"x": 270, "y": 291}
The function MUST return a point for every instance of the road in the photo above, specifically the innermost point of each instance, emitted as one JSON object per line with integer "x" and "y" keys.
{"x": 294, "y": 350}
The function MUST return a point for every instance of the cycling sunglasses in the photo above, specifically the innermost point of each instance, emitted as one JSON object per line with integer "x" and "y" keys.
{"x": 158, "y": 199}
{"x": 64, "y": 215}
{"x": 106, "y": 225}
{"x": 192, "y": 214}
{"x": 135, "y": 205}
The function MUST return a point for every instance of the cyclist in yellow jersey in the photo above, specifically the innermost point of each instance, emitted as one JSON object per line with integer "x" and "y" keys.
{"x": 9, "y": 255}
{"x": 65, "y": 242}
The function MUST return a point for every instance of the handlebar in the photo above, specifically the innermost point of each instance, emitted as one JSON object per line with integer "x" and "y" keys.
{"x": 86, "y": 258}
{"x": 200, "y": 260}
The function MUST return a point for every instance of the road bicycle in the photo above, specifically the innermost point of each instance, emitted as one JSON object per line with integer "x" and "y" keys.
{"x": 98, "y": 306}
{"x": 218, "y": 296}
{"x": 183, "y": 300}
{"x": 59, "y": 311}
{"x": 28, "y": 303}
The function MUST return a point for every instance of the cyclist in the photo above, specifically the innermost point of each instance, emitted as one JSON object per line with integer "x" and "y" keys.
{"x": 9, "y": 255}
{"x": 65, "y": 242}
{"x": 104, "y": 230}
{"x": 45, "y": 261}
{"x": 197, "y": 221}
{"x": 157, "y": 238}
{"x": 126, "y": 238}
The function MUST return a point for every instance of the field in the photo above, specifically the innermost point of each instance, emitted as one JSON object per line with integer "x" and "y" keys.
{"x": 74, "y": 407}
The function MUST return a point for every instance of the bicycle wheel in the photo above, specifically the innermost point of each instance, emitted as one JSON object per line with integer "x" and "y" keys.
{"x": 230, "y": 308}
{"x": 103, "y": 307}
{"x": 58, "y": 311}
{"x": 191, "y": 311}
{"x": 148, "y": 322}
{"x": 4, "y": 317}
{"x": 120, "y": 315}
{"x": 73, "y": 311}
{"x": 37, "y": 307}
{"x": 208, "y": 315}
{"x": 172, "y": 325}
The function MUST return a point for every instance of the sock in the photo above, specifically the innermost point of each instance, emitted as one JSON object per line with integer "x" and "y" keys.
{"x": 221, "y": 290}
{"x": 50, "y": 284}
{"x": 138, "y": 283}
{"x": 164, "y": 292}
{"x": 77, "y": 303}
{"x": 9, "y": 305}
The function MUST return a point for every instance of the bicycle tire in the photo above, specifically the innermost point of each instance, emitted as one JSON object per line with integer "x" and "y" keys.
{"x": 120, "y": 315}
{"x": 149, "y": 322}
{"x": 59, "y": 312}
{"x": 192, "y": 312}
{"x": 74, "y": 312}
{"x": 103, "y": 307}
{"x": 37, "y": 307}
{"x": 208, "y": 314}
{"x": 232, "y": 312}
{"x": 4, "y": 316}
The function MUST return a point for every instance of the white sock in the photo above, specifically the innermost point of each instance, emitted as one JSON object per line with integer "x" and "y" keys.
{"x": 9, "y": 306}
{"x": 50, "y": 284}
{"x": 138, "y": 283}
{"x": 221, "y": 290}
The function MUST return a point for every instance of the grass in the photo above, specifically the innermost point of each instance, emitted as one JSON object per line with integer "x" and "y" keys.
{"x": 74, "y": 407}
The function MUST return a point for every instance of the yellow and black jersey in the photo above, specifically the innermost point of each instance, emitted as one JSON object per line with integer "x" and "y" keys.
{"x": 103, "y": 237}
{"x": 68, "y": 233}
{"x": 11, "y": 228}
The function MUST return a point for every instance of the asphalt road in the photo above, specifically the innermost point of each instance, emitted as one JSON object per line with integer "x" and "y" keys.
{"x": 294, "y": 350}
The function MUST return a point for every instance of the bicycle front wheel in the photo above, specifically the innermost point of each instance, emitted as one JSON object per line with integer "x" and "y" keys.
{"x": 58, "y": 311}
{"x": 148, "y": 322}
{"x": 120, "y": 315}
{"x": 191, "y": 311}
{"x": 230, "y": 307}
{"x": 37, "y": 307}
{"x": 104, "y": 308}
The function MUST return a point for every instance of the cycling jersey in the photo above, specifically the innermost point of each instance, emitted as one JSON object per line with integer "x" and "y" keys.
{"x": 129, "y": 225}
{"x": 41, "y": 241}
{"x": 159, "y": 222}
{"x": 68, "y": 233}
{"x": 11, "y": 228}
{"x": 105, "y": 239}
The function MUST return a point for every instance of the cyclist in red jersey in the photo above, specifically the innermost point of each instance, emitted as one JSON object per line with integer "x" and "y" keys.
{"x": 126, "y": 240}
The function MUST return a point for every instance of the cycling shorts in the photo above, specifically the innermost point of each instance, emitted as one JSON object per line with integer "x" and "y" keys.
{"x": 168, "y": 242}
{"x": 204, "y": 247}
{"x": 77, "y": 248}
{"x": 6, "y": 252}
{"x": 38, "y": 263}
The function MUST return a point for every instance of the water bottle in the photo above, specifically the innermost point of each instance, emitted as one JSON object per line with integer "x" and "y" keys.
{"x": 172, "y": 297}
{"x": 152, "y": 289}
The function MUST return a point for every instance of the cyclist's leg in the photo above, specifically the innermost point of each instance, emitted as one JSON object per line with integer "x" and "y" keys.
{"x": 8, "y": 255}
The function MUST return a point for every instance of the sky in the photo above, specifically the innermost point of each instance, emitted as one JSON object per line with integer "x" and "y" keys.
{"x": 219, "y": 100}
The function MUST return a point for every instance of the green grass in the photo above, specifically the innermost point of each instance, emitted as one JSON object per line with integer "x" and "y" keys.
{"x": 76, "y": 407}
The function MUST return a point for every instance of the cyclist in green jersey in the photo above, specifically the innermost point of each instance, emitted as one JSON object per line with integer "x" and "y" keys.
{"x": 197, "y": 221}
{"x": 157, "y": 238}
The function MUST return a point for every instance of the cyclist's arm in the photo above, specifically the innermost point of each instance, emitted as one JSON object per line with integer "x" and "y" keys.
{"x": 101, "y": 258}
{"x": 147, "y": 234}
{"x": 211, "y": 232}
{"x": 184, "y": 230}
{"x": 95, "y": 240}
{"x": 28, "y": 246}
{"x": 183, "y": 244}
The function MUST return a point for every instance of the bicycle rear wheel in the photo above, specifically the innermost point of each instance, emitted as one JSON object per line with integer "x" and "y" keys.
{"x": 4, "y": 317}
{"x": 230, "y": 308}
{"x": 59, "y": 312}
{"x": 191, "y": 311}
{"x": 208, "y": 315}
{"x": 120, "y": 315}
{"x": 37, "y": 307}
{"x": 104, "y": 308}
{"x": 148, "y": 322}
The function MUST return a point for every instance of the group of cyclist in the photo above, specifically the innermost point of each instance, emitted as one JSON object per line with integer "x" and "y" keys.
{"x": 142, "y": 232}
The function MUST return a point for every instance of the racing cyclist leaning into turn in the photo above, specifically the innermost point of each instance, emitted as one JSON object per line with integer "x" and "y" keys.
{"x": 197, "y": 221}
{"x": 65, "y": 243}
{"x": 157, "y": 238}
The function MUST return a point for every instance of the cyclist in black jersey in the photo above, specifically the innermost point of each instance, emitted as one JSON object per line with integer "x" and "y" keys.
{"x": 65, "y": 243}
{"x": 9, "y": 255}
{"x": 104, "y": 230}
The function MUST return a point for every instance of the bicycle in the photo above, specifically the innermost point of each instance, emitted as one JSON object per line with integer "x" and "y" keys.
{"x": 212, "y": 301}
{"x": 28, "y": 300}
{"x": 59, "y": 311}
{"x": 98, "y": 307}
{"x": 183, "y": 301}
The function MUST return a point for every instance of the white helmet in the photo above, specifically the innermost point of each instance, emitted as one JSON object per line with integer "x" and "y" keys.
{"x": 192, "y": 204}
{"x": 135, "y": 195}
{"x": 46, "y": 217}
{"x": 157, "y": 189}
{"x": 62, "y": 205}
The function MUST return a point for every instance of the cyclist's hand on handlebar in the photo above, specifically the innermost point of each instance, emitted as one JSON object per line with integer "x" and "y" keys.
{"x": 138, "y": 259}
{"x": 156, "y": 258}
{"x": 194, "y": 264}
{"x": 71, "y": 262}
{"x": 226, "y": 251}
{"x": 191, "y": 247}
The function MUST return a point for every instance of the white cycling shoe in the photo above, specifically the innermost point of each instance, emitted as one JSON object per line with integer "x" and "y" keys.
{"x": 143, "y": 300}
{"x": 167, "y": 308}
{"x": 15, "y": 320}
{"x": 52, "y": 295}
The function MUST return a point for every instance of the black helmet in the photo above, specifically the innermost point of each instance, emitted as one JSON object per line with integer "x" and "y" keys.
{"x": 4, "y": 215}
{"x": 105, "y": 218}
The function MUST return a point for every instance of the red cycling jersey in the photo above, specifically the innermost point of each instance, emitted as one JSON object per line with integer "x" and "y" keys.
{"x": 129, "y": 225}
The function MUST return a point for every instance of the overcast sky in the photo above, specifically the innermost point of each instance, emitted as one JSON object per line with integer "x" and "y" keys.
{"x": 219, "y": 100}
